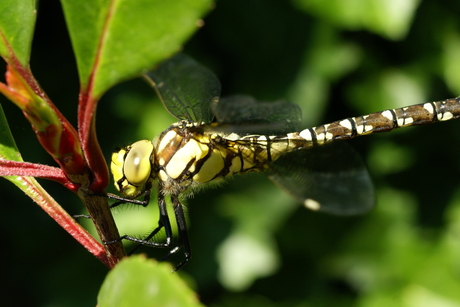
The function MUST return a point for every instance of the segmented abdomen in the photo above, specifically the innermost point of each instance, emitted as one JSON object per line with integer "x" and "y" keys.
{"x": 221, "y": 157}
{"x": 260, "y": 150}
{"x": 420, "y": 114}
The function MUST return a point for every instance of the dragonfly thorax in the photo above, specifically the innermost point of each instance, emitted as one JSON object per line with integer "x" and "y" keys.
{"x": 185, "y": 156}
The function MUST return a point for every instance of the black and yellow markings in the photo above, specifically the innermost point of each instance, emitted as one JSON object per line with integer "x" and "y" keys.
{"x": 185, "y": 154}
{"x": 384, "y": 121}
{"x": 199, "y": 157}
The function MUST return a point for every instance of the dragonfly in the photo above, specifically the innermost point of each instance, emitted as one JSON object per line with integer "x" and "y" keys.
{"x": 217, "y": 138}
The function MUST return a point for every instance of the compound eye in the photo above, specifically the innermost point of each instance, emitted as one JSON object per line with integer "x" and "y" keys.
{"x": 137, "y": 166}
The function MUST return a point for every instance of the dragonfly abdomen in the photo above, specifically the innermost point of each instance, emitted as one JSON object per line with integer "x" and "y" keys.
{"x": 420, "y": 114}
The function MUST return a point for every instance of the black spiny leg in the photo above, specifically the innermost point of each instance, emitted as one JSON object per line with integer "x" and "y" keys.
{"x": 119, "y": 201}
{"x": 183, "y": 235}
{"x": 163, "y": 222}
{"x": 122, "y": 200}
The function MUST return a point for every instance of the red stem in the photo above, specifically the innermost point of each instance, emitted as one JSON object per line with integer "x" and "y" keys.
{"x": 17, "y": 168}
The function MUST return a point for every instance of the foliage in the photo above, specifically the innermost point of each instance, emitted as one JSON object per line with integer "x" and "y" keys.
{"x": 252, "y": 244}
{"x": 137, "y": 281}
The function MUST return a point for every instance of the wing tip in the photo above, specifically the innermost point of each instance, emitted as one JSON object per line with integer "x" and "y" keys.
{"x": 312, "y": 204}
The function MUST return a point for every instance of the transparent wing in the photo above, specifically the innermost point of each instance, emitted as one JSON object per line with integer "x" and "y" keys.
{"x": 330, "y": 178}
{"x": 243, "y": 114}
{"x": 186, "y": 88}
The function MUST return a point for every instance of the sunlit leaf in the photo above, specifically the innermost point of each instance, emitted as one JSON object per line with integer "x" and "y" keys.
{"x": 137, "y": 281}
{"x": 329, "y": 59}
{"x": 390, "y": 18}
{"x": 250, "y": 252}
{"x": 115, "y": 40}
{"x": 17, "y": 21}
{"x": 8, "y": 149}
{"x": 389, "y": 88}
{"x": 451, "y": 61}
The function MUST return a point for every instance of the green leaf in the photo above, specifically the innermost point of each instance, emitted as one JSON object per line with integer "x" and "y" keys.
{"x": 116, "y": 40}
{"x": 8, "y": 149}
{"x": 451, "y": 60}
{"x": 250, "y": 252}
{"x": 389, "y": 18}
{"x": 137, "y": 281}
{"x": 17, "y": 20}
{"x": 85, "y": 22}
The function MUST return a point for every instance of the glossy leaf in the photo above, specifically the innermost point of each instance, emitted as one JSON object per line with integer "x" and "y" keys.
{"x": 17, "y": 20}
{"x": 116, "y": 40}
{"x": 137, "y": 281}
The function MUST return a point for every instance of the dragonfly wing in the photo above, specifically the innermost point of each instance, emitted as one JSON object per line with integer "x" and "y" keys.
{"x": 330, "y": 178}
{"x": 246, "y": 115}
{"x": 186, "y": 88}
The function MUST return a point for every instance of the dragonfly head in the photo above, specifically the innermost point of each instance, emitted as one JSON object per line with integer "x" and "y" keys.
{"x": 132, "y": 167}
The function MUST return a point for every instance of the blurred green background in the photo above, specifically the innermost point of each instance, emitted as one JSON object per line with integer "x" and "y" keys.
{"x": 253, "y": 245}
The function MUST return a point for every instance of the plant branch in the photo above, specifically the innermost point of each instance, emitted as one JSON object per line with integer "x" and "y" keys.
{"x": 19, "y": 168}
{"x": 77, "y": 160}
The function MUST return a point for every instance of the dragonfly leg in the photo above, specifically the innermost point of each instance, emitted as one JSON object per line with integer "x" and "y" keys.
{"x": 183, "y": 234}
{"x": 122, "y": 200}
{"x": 84, "y": 216}
{"x": 162, "y": 223}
